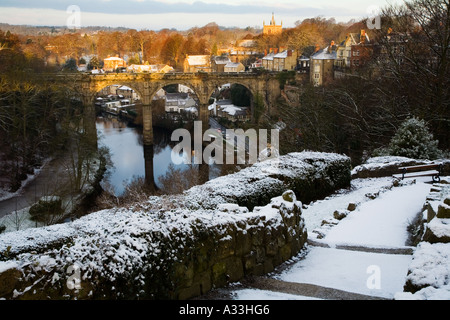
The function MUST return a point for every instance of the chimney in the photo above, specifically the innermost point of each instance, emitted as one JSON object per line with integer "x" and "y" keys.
{"x": 332, "y": 43}
{"x": 275, "y": 50}
{"x": 363, "y": 36}
{"x": 317, "y": 48}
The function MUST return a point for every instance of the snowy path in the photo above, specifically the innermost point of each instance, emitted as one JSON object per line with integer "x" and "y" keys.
{"x": 371, "y": 234}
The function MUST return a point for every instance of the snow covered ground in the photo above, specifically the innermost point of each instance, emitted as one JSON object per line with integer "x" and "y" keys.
{"x": 379, "y": 223}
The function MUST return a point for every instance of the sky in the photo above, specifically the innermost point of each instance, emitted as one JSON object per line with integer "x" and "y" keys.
{"x": 179, "y": 14}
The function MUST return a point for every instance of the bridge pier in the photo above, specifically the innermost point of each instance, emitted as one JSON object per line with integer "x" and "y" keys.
{"x": 203, "y": 116}
{"x": 149, "y": 175}
{"x": 89, "y": 124}
{"x": 147, "y": 122}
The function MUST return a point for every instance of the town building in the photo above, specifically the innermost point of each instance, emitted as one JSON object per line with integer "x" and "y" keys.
{"x": 234, "y": 67}
{"x": 272, "y": 28}
{"x": 322, "y": 66}
{"x": 227, "y": 110}
{"x": 303, "y": 64}
{"x": 150, "y": 68}
{"x": 245, "y": 51}
{"x": 218, "y": 63}
{"x": 196, "y": 63}
{"x": 267, "y": 61}
{"x": 179, "y": 102}
{"x": 354, "y": 51}
{"x": 286, "y": 60}
{"x": 361, "y": 52}
{"x": 111, "y": 64}
{"x": 280, "y": 61}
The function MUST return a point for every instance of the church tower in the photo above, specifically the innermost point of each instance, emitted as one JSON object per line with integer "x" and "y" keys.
{"x": 272, "y": 28}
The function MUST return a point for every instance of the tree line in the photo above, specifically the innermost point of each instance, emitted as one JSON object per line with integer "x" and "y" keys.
{"x": 409, "y": 79}
{"x": 54, "y": 49}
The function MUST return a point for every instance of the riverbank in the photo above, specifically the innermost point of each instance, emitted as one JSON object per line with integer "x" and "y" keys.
{"x": 52, "y": 180}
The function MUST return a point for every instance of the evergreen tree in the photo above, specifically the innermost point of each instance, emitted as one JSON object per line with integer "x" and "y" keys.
{"x": 414, "y": 140}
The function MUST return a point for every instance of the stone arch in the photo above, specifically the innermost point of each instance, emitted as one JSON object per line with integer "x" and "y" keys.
{"x": 96, "y": 87}
{"x": 245, "y": 84}
{"x": 161, "y": 84}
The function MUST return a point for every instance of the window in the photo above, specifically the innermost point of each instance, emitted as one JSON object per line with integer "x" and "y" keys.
{"x": 317, "y": 76}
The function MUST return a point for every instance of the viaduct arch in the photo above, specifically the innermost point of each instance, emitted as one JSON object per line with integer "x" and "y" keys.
{"x": 147, "y": 85}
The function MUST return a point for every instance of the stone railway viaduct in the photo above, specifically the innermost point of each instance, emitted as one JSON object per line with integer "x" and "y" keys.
{"x": 87, "y": 86}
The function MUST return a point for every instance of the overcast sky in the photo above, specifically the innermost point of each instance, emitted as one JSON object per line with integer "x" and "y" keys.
{"x": 179, "y": 14}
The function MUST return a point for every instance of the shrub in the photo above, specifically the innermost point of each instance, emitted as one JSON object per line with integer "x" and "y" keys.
{"x": 46, "y": 209}
{"x": 412, "y": 140}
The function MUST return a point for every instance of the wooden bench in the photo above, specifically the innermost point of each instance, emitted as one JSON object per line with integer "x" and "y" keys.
{"x": 433, "y": 170}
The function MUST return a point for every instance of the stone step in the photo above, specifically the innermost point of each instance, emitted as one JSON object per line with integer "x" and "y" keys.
{"x": 384, "y": 250}
{"x": 304, "y": 289}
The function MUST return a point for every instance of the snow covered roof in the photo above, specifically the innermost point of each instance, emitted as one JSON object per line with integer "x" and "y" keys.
{"x": 114, "y": 59}
{"x": 269, "y": 57}
{"x": 221, "y": 60}
{"x": 232, "y": 64}
{"x": 199, "y": 60}
{"x": 324, "y": 54}
{"x": 233, "y": 110}
{"x": 281, "y": 55}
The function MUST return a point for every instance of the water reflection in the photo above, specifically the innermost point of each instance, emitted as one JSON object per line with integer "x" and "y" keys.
{"x": 128, "y": 155}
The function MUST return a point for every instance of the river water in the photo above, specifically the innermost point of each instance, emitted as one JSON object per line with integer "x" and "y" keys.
{"x": 125, "y": 144}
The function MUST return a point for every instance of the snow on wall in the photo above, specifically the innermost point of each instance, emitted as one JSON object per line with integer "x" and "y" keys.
{"x": 428, "y": 273}
{"x": 166, "y": 254}
{"x": 174, "y": 247}
{"x": 388, "y": 165}
{"x": 311, "y": 175}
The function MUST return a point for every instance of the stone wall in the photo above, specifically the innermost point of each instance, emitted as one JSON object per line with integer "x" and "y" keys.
{"x": 178, "y": 257}
{"x": 174, "y": 247}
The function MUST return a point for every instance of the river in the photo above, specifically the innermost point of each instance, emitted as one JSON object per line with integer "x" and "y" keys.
{"x": 125, "y": 144}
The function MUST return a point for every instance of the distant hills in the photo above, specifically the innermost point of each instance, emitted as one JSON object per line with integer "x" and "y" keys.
{"x": 60, "y": 30}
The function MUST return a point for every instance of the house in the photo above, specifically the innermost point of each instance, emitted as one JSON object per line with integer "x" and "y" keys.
{"x": 280, "y": 61}
{"x": 322, "y": 66}
{"x": 153, "y": 68}
{"x": 344, "y": 51}
{"x": 354, "y": 51}
{"x": 218, "y": 63}
{"x": 303, "y": 64}
{"x": 178, "y": 102}
{"x": 111, "y": 64}
{"x": 286, "y": 60}
{"x": 234, "y": 67}
{"x": 267, "y": 61}
{"x": 127, "y": 93}
{"x": 257, "y": 64}
{"x": 245, "y": 50}
{"x": 197, "y": 63}
{"x": 226, "y": 109}
{"x": 272, "y": 28}
{"x": 361, "y": 52}
{"x": 82, "y": 68}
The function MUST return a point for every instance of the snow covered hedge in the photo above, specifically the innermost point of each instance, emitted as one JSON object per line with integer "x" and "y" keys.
{"x": 311, "y": 175}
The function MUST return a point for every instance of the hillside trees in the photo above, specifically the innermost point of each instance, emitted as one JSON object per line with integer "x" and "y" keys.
{"x": 417, "y": 41}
